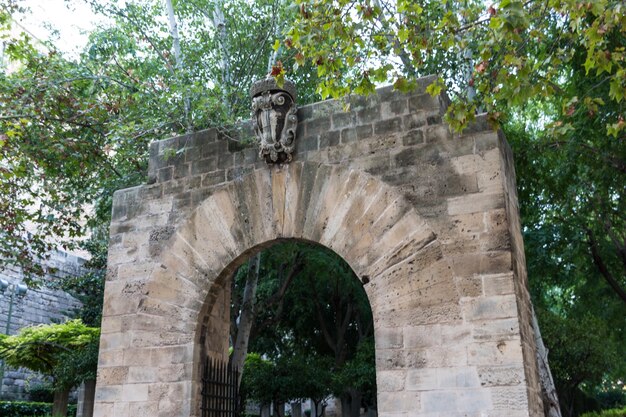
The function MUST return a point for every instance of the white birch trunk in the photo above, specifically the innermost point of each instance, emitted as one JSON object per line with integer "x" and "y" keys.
{"x": 219, "y": 23}
{"x": 178, "y": 56}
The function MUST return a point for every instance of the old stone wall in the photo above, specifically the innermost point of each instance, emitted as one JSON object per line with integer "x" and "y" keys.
{"x": 42, "y": 305}
{"x": 427, "y": 220}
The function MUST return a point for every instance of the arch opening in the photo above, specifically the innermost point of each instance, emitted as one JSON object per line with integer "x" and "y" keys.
{"x": 299, "y": 312}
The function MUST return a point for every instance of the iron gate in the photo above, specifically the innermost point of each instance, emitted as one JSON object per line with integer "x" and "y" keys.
{"x": 220, "y": 393}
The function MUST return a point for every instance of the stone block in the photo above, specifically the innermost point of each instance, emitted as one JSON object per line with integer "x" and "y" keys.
{"x": 108, "y": 393}
{"x": 469, "y": 286}
{"x": 475, "y": 203}
{"x": 143, "y": 409}
{"x": 349, "y": 135}
{"x": 413, "y": 137}
{"x": 489, "y": 308}
{"x": 440, "y": 401}
{"x": 389, "y": 126}
{"x": 330, "y": 138}
{"x": 495, "y": 262}
{"x": 139, "y": 374}
{"x": 364, "y": 131}
{"x": 478, "y": 400}
{"x": 496, "y": 329}
{"x": 398, "y": 401}
{"x": 389, "y": 338}
{"x": 424, "y": 379}
{"x": 457, "y": 377}
{"x": 135, "y": 393}
{"x": 394, "y": 108}
{"x": 414, "y": 120}
{"x": 509, "y": 399}
{"x": 368, "y": 115}
{"x": 423, "y": 102}
{"x": 116, "y": 375}
{"x": 494, "y": 376}
{"x": 205, "y": 165}
{"x": 343, "y": 120}
{"x": 504, "y": 352}
{"x": 389, "y": 381}
{"x": 422, "y": 336}
{"x": 455, "y": 335}
{"x": 446, "y": 356}
{"x": 105, "y": 409}
{"x": 317, "y": 126}
{"x": 437, "y": 134}
{"x": 498, "y": 284}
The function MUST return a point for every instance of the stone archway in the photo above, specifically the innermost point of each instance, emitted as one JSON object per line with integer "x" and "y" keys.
{"x": 444, "y": 272}
{"x": 372, "y": 227}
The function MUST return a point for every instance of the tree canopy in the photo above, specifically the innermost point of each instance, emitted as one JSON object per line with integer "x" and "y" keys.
{"x": 40, "y": 348}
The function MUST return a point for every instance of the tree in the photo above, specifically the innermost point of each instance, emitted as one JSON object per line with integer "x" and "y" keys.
{"x": 288, "y": 378}
{"x": 584, "y": 351}
{"x": 495, "y": 57}
{"x": 64, "y": 351}
{"x": 75, "y": 130}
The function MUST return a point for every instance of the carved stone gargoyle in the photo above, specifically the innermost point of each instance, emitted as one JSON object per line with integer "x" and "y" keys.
{"x": 274, "y": 119}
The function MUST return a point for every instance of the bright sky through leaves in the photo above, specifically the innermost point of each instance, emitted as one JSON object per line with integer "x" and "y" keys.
{"x": 65, "y": 23}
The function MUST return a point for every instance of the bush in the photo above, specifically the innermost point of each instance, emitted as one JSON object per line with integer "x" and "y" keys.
{"x": 30, "y": 409}
{"x": 607, "y": 413}
{"x": 40, "y": 393}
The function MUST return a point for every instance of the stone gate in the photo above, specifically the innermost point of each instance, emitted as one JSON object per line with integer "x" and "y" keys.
{"x": 427, "y": 220}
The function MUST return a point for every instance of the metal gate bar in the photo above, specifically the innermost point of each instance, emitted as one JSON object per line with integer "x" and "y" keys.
{"x": 220, "y": 393}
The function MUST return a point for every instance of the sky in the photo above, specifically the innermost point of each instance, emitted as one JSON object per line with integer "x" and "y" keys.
{"x": 70, "y": 18}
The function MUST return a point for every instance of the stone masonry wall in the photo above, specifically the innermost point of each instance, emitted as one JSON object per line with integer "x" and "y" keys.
{"x": 427, "y": 219}
{"x": 38, "y": 306}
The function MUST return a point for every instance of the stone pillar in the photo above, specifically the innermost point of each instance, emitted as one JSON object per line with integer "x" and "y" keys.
{"x": 86, "y": 394}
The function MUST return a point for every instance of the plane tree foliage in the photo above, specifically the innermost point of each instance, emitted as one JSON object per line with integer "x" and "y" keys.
{"x": 490, "y": 56}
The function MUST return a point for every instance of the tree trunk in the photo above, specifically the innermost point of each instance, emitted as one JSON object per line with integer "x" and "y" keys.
{"x": 246, "y": 317}
{"x": 351, "y": 404}
{"x": 86, "y": 398}
{"x": 59, "y": 404}
{"x": 355, "y": 410}
{"x": 265, "y": 410}
{"x": 178, "y": 55}
{"x": 317, "y": 408}
{"x": 296, "y": 409}
{"x": 220, "y": 26}
{"x": 548, "y": 390}
{"x": 279, "y": 409}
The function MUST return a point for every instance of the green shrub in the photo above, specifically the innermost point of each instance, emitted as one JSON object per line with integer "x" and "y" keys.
{"x": 607, "y": 413}
{"x": 41, "y": 393}
{"x": 30, "y": 409}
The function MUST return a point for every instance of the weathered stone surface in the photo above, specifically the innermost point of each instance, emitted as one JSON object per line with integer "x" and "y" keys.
{"x": 426, "y": 219}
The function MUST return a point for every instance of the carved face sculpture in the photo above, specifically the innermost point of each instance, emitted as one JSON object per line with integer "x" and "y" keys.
{"x": 274, "y": 119}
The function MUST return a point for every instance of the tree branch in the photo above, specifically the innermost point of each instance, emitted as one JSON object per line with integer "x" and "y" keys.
{"x": 597, "y": 259}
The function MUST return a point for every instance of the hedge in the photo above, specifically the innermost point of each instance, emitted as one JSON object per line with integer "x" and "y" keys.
{"x": 30, "y": 409}
{"x": 607, "y": 413}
